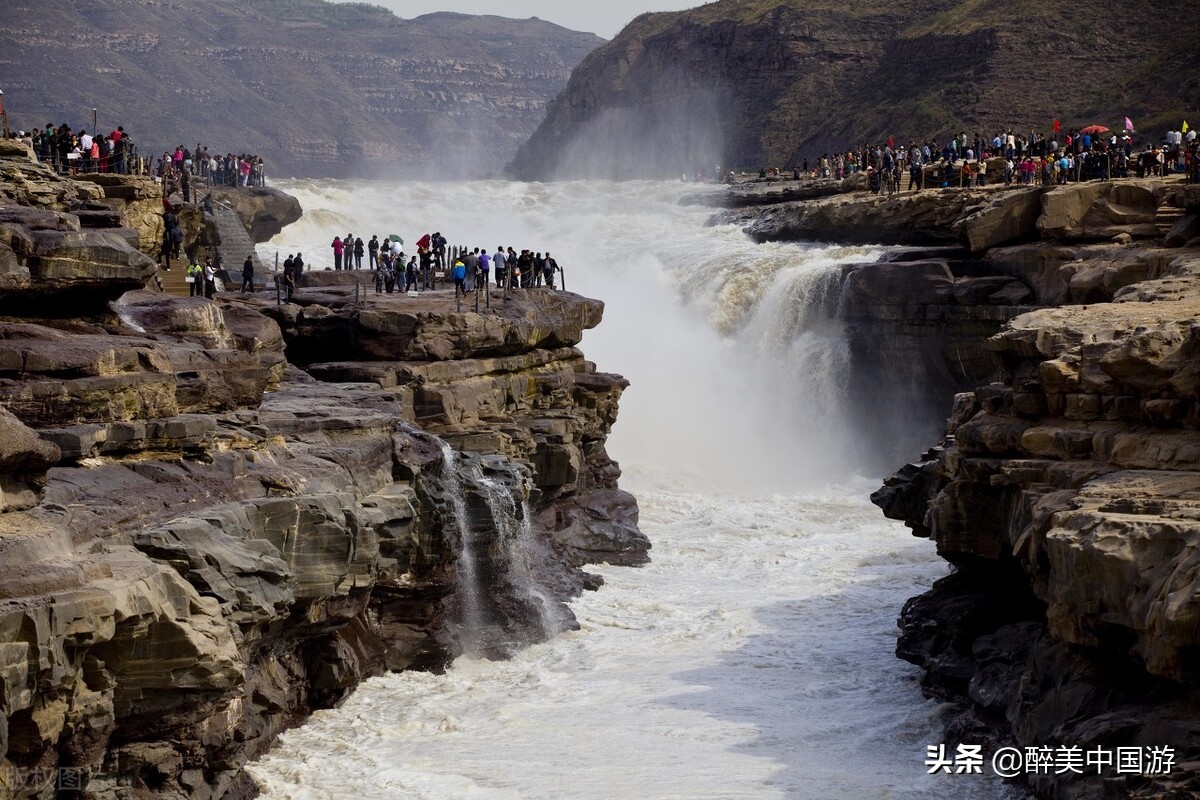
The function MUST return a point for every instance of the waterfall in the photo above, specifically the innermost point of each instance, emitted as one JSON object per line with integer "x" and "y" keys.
{"x": 469, "y": 628}
{"x": 122, "y": 311}
{"x": 523, "y": 551}
{"x": 753, "y": 656}
{"x": 502, "y": 603}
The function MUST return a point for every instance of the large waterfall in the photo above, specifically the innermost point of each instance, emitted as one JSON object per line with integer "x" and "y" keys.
{"x": 753, "y": 657}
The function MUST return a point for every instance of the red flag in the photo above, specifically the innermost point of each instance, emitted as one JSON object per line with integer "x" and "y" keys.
{"x": 889, "y": 141}
{"x": 1057, "y": 126}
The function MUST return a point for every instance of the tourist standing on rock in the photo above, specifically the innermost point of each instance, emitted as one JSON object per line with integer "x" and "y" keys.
{"x": 358, "y": 252}
{"x": 471, "y": 262}
{"x": 499, "y": 262}
{"x": 439, "y": 250}
{"x": 172, "y": 236}
{"x": 459, "y": 276}
{"x": 538, "y": 267}
{"x": 373, "y": 252}
{"x": 525, "y": 269}
{"x": 288, "y": 281}
{"x": 210, "y": 279}
{"x": 194, "y": 277}
{"x": 426, "y": 265}
{"x": 337, "y": 253}
{"x": 410, "y": 275}
{"x": 380, "y": 273}
{"x": 298, "y": 267}
{"x": 485, "y": 267}
{"x": 551, "y": 267}
{"x": 248, "y": 275}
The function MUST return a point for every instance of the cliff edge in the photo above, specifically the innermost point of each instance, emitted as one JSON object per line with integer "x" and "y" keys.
{"x": 218, "y": 516}
{"x": 1064, "y": 321}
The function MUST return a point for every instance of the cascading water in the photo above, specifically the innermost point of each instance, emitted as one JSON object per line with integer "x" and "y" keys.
{"x": 523, "y": 551}
{"x": 501, "y": 601}
{"x": 754, "y": 656}
{"x": 469, "y": 627}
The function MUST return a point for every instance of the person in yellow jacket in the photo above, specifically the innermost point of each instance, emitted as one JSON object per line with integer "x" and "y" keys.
{"x": 195, "y": 275}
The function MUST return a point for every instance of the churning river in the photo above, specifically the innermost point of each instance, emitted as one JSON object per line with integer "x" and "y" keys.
{"x": 754, "y": 657}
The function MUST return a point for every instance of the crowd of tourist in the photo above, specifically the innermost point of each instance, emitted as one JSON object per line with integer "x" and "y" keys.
{"x": 177, "y": 170}
{"x": 1092, "y": 153}
{"x": 468, "y": 268}
{"x": 71, "y": 152}
{"x": 217, "y": 169}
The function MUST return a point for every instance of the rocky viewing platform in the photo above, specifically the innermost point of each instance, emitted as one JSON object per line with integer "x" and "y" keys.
{"x": 1059, "y": 328}
{"x": 217, "y": 516}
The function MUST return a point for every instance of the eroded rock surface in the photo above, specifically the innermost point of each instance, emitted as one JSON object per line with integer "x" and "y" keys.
{"x": 1066, "y": 495}
{"x": 200, "y": 543}
{"x": 1065, "y": 324}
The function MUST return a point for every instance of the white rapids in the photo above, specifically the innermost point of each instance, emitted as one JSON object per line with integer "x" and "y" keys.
{"x": 754, "y": 657}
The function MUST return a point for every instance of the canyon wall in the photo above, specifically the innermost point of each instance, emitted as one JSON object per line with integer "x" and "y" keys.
{"x": 1063, "y": 322}
{"x": 316, "y": 88}
{"x": 769, "y": 83}
{"x": 219, "y": 515}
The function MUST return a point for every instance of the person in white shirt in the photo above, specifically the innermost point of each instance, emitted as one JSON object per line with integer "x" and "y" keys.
{"x": 210, "y": 279}
{"x": 499, "y": 265}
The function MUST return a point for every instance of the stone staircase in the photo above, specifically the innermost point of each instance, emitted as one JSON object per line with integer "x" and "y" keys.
{"x": 173, "y": 282}
{"x": 235, "y": 244}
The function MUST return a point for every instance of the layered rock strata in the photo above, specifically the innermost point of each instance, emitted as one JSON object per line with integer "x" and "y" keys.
{"x": 317, "y": 88}
{"x": 1064, "y": 322}
{"x": 201, "y": 542}
{"x": 761, "y": 83}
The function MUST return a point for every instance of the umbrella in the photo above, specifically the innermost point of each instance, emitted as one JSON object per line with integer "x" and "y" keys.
{"x": 1094, "y": 129}
{"x": 395, "y": 237}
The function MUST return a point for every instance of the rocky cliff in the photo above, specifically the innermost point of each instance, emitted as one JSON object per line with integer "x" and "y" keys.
{"x": 317, "y": 88}
{"x": 771, "y": 82}
{"x": 1063, "y": 322}
{"x": 217, "y": 516}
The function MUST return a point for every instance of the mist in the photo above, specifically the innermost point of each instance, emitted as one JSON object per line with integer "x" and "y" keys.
{"x": 740, "y": 366}
{"x": 666, "y": 130}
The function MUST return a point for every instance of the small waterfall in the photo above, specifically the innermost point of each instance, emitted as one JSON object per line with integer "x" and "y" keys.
{"x": 502, "y": 602}
{"x": 470, "y": 628}
{"x": 523, "y": 551}
{"x": 122, "y": 310}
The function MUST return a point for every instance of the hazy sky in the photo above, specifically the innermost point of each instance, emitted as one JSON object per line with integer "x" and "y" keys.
{"x": 605, "y": 17}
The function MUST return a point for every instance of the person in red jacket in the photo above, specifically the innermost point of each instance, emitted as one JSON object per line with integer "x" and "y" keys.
{"x": 337, "y": 252}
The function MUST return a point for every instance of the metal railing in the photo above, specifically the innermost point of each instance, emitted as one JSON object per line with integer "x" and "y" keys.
{"x": 125, "y": 163}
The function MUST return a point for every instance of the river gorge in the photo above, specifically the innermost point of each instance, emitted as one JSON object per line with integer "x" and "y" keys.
{"x": 224, "y": 516}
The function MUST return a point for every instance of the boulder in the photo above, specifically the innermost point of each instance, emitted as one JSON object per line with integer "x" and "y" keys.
{"x": 1098, "y": 211}
{"x": 14, "y": 276}
{"x": 24, "y": 461}
{"x": 264, "y": 211}
{"x": 976, "y": 291}
{"x": 1183, "y": 231}
{"x": 1010, "y": 216}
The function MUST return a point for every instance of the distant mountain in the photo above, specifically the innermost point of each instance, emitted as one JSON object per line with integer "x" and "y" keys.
{"x": 751, "y": 83}
{"x": 317, "y": 88}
